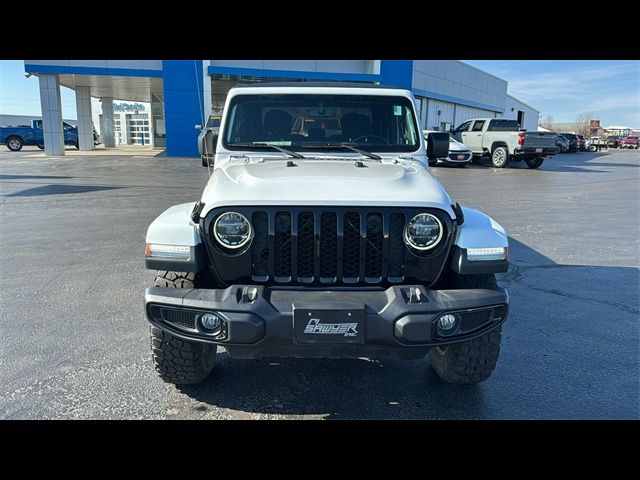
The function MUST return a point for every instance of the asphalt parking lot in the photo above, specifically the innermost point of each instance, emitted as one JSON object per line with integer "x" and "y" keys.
{"x": 75, "y": 343}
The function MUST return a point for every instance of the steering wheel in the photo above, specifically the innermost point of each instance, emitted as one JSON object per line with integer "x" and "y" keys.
{"x": 368, "y": 135}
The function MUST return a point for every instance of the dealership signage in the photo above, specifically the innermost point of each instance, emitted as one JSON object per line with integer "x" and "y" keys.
{"x": 128, "y": 107}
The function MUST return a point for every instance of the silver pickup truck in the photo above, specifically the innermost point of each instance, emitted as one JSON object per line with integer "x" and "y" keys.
{"x": 504, "y": 141}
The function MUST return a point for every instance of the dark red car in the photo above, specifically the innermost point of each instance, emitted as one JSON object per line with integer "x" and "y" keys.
{"x": 582, "y": 144}
{"x": 614, "y": 141}
{"x": 630, "y": 142}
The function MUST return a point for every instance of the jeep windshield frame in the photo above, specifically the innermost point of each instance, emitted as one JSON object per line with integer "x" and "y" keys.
{"x": 304, "y": 122}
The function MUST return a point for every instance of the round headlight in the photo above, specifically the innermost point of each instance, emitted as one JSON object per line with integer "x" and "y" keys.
{"x": 232, "y": 230}
{"x": 423, "y": 231}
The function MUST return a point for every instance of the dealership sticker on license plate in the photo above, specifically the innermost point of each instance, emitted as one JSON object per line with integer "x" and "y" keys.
{"x": 460, "y": 157}
{"x": 538, "y": 150}
{"x": 324, "y": 326}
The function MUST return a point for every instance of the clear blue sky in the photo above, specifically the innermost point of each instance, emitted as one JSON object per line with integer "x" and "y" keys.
{"x": 606, "y": 90}
{"x": 21, "y": 96}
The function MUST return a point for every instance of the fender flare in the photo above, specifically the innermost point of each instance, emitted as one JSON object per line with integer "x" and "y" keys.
{"x": 175, "y": 227}
{"x": 478, "y": 231}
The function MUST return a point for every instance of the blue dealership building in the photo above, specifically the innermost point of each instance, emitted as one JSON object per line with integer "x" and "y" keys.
{"x": 183, "y": 93}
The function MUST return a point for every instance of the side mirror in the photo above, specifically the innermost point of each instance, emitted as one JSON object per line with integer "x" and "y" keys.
{"x": 214, "y": 143}
{"x": 209, "y": 143}
{"x": 438, "y": 145}
{"x": 198, "y": 127}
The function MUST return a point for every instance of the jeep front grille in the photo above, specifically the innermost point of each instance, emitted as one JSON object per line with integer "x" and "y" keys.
{"x": 308, "y": 246}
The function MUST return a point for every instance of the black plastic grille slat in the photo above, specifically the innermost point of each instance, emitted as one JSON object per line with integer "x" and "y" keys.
{"x": 282, "y": 247}
{"x": 373, "y": 258}
{"x": 397, "y": 248}
{"x": 474, "y": 320}
{"x": 180, "y": 318}
{"x": 260, "y": 247}
{"x": 351, "y": 245}
{"x": 328, "y": 245}
{"x": 306, "y": 244}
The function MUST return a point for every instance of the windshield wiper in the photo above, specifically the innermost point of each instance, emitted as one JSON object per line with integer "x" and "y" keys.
{"x": 263, "y": 144}
{"x": 362, "y": 152}
{"x": 344, "y": 145}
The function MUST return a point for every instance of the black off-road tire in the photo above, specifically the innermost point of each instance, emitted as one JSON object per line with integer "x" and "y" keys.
{"x": 179, "y": 361}
{"x": 534, "y": 163}
{"x": 472, "y": 361}
{"x": 468, "y": 362}
{"x": 167, "y": 279}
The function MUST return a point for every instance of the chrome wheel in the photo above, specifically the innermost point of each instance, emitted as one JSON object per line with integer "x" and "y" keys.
{"x": 15, "y": 144}
{"x": 499, "y": 157}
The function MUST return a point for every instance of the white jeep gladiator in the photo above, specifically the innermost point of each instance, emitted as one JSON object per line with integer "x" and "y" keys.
{"x": 330, "y": 241}
{"x": 503, "y": 140}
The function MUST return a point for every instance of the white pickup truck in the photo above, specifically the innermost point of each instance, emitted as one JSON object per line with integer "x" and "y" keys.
{"x": 504, "y": 141}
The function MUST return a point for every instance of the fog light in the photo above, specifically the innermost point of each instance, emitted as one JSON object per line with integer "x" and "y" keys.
{"x": 447, "y": 322}
{"x": 211, "y": 322}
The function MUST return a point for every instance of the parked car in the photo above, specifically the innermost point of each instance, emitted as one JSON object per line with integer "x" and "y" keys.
{"x": 97, "y": 140}
{"x": 17, "y": 137}
{"x": 574, "y": 141}
{"x": 503, "y": 140}
{"x": 614, "y": 141}
{"x": 345, "y": 247}
{"x": 581, "y": 143}
{"x": 562, "y": 144}
{"x": 207, "y": 137}
{"x": 596, "y": 143}
{"x": 459, "y": 154}
{"x": 630, "y": 142}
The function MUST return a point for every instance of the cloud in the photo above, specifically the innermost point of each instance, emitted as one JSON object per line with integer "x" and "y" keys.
{"x": 619, "y": 101}
{"x": 584, "y": 84}
{"x": 632, "y": 119}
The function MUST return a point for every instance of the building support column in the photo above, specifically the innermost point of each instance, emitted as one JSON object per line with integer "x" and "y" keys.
{"x": 85, "y": 122}
{"x": 51, "y": 114}
{"x": 124, "y": 128}
{"x": 184, "y": 85}
{"x": 108, "y": 133}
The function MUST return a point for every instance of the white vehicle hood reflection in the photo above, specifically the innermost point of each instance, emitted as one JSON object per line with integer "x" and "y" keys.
{"x": 331, "y": 182}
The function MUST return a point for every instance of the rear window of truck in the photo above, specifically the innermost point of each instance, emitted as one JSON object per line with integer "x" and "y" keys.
{"x": 503, "y": 126}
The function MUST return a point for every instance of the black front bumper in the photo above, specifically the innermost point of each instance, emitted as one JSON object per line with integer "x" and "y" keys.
{"x": 258, "y": 321}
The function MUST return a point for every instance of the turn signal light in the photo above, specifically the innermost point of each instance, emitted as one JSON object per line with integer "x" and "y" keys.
{"x": 167, "y": 251}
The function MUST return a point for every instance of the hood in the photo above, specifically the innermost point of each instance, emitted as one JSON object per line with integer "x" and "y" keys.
{"x": 324, "y": 182}
{"x": 456, "y": 146}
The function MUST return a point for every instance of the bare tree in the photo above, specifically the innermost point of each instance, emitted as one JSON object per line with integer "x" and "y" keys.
{"x": 582, "y": 126}
{"x": 547, "y": 123}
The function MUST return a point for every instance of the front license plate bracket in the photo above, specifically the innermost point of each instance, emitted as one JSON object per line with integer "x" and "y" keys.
{"x": 328, "y": 326}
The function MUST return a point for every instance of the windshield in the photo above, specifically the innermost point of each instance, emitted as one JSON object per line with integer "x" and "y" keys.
{"x": 302, "y": 122}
